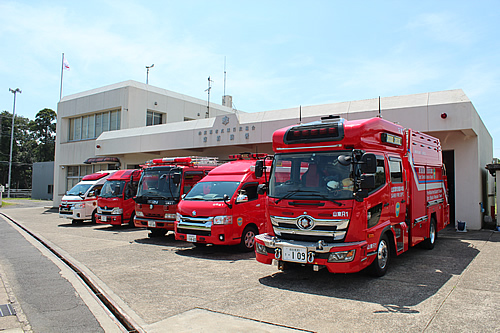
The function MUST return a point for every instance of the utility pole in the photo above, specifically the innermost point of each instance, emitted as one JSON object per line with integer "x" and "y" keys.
{"x": 17, "y": 90}
{"x": 207, "y": 115}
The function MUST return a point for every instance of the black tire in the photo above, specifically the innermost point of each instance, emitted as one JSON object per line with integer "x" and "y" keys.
{"x": 378, "y": 267}
{"x": 430, "y": 241}
{"x": 247, "y": 242}
{"x": 131, "y": 221}
{"x": 94, "y": 219}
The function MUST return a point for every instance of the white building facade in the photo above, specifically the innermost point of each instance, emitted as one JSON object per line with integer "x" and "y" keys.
{"x": 144, "y": 122}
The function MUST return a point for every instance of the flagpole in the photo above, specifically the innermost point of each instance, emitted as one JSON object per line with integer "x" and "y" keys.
{"x": 62, "y": 71}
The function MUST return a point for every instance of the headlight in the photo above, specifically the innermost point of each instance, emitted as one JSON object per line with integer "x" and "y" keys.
{"x": 225, "y": 219}
{"x": 342, "y": 256}
{"x": 117, "y": 211}
{"x": 139, "y": 213}
{"x": 260, "y": 249}
{"x": 170, "y": 216}
{"x": 79, "y": 206}
{"x": 178, "y": 217}
{"x": 99, "y": 210}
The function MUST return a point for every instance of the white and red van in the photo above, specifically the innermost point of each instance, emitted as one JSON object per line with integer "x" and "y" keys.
{"x": 80, "y": 203}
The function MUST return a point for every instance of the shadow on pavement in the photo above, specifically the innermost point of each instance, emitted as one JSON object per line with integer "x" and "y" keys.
{"x": 216, "y": 252}
{"x": 412, "y": 277}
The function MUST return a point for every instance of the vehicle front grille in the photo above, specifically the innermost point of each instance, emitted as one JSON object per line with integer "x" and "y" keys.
{"x": 333, "y": 230}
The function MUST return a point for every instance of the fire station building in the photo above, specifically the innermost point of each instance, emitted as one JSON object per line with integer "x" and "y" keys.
{"x": 125, "y": 124}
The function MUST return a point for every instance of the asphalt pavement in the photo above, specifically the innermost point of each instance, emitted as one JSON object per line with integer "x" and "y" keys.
{"x": 453, "y": 288}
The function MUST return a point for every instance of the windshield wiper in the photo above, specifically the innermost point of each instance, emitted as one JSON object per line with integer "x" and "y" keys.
{"x": 289, "y": 194}
{"x": 327, "y": 198}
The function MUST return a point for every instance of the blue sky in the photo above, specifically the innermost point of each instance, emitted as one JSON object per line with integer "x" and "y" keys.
{"x": 279, "y": 54}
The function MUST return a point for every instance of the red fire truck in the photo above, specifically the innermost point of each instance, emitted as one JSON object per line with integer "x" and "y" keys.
{"x": 224, "y": 208}
{"x": 347, "y": 195}
{"x": 162, "y": 184}
{"x": 115, "y": 203}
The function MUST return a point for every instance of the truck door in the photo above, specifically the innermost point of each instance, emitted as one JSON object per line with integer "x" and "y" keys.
{"x": 251, "y": 211}
{"x": 397, "y": 203}
{"x": 397, "y": 206}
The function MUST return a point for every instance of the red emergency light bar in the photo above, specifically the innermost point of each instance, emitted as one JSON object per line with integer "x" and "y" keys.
{"x": 248, "y": 156}
{"x": 95, "y": 176}
{"x": 172, "y": 160}
{"x": 330, "y": 132}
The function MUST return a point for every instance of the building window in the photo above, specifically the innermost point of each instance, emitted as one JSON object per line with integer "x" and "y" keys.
{"x": 77, "y": 172}
{"x": 91, "y": 126}
{"x": 154, "y": 118}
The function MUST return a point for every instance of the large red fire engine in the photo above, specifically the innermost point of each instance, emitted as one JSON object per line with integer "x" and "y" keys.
{"x": 162, "y": 184}
{"x": 224, "y": 208}
{"x": 346, "y": 195}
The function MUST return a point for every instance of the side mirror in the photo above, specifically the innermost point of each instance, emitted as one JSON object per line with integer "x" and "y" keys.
{"x": 176, "y": 179}
{"x": 344, "y": 160}
{"x": 367, "y": 181}
{"x": 261, "y": 189}
{"x": 368, "y": 163}
{"x": 226, "y": 201}
{"x": 259, "y": 168}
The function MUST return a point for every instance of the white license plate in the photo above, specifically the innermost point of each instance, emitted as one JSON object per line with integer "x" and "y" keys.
{"x": 104, "y": 218}
{"x": 191, "y": 238}
{"x": 294, "y": 254}
{"x": 152, "y": 224}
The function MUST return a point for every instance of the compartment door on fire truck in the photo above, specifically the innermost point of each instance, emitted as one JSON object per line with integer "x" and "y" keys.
{"x": 397, "y": 205}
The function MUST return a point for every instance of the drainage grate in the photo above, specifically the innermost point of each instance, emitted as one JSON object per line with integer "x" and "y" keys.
{"x": 7, "y": 310}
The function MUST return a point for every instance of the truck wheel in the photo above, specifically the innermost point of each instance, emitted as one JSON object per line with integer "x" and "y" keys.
{"x": 131, "y": 221}
{"x": 379, "y": 265}
{"x": 429, "y": 242}
{"x": 247, "y": 242}
{"x": 93, "y": 216}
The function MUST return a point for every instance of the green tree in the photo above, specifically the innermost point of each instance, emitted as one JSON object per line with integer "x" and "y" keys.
{"x": 44, "y": 130}
{"x": 22, "y": 150}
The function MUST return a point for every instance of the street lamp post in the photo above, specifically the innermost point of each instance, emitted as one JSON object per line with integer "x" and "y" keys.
{"x": 147, "y": 72}
{"x": 17, "y": 90}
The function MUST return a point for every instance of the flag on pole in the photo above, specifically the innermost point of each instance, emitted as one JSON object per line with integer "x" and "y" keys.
{"x": 65, "y": 64}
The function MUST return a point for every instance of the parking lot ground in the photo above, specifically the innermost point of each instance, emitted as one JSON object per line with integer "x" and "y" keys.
{"x": 171, "y": 286}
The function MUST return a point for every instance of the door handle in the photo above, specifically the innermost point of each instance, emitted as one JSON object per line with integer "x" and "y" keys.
{"x": 386, "y": 204}
{"x": 402, "y": 201}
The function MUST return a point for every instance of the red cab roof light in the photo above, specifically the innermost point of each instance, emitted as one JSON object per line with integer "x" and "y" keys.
{"x": 247, "y": 156}
{"x": 95, "y": 176}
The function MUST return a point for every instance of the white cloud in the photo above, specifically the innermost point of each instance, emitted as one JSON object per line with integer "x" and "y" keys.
{"x": 444, "y": 27}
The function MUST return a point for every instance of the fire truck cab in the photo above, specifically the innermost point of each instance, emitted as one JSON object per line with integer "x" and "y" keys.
{"x": 163, "y": 182}
{"x": 224, "y": 208}
{"x": 346, "y": 195}
{"x": 115, "y": 203}
{"x": 80, "y": 203}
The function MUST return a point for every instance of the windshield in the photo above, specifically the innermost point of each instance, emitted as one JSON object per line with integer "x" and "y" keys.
{"x": 112, "y": 189}
{"x": 158, "y": 183}
{"x": 212, "y": 191}
{"x": 79, "y": 189}
{"x": 310, "y": 176}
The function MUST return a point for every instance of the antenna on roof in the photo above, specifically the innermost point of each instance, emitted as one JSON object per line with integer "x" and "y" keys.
{"x": 224, "y": 76}
{"x": 300, "y": 114}
{"x": 207, "y": 115}
{"x": 379, "y": 110}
